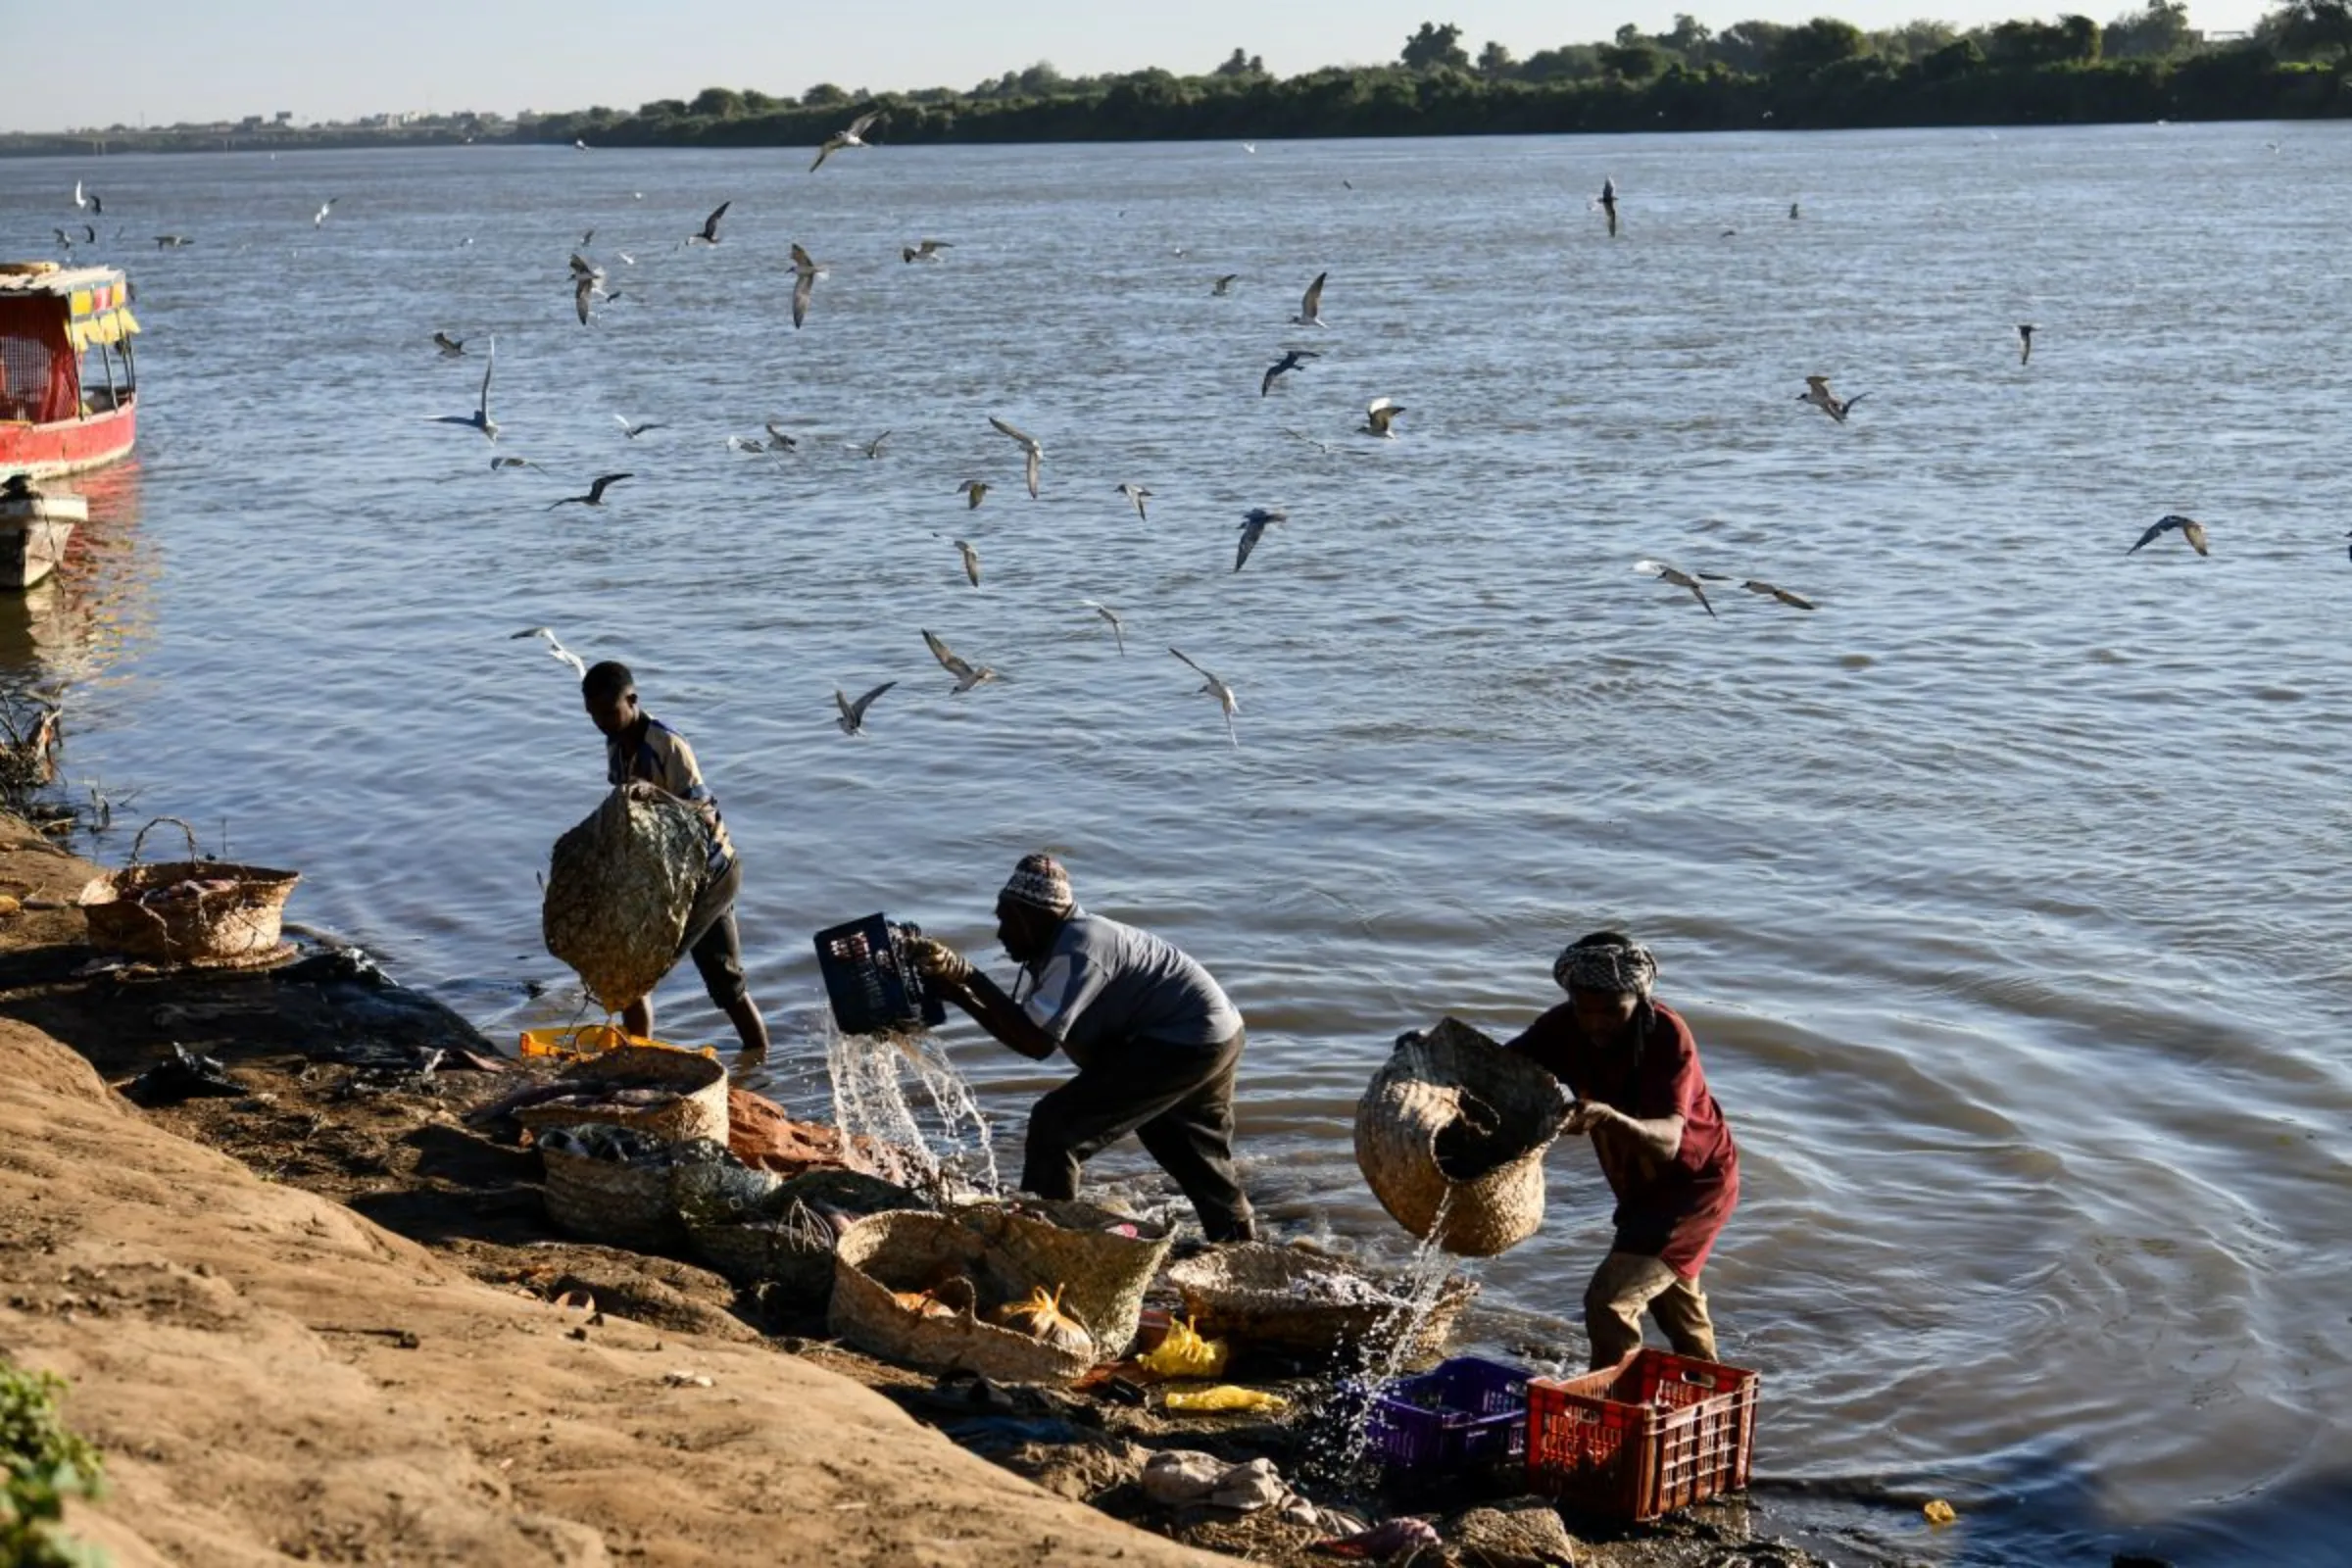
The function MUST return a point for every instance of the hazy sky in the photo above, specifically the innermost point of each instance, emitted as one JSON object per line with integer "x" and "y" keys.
{"x": 170, "y": 60}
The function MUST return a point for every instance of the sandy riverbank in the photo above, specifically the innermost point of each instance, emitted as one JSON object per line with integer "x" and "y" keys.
{"x": 317, "y": 1322}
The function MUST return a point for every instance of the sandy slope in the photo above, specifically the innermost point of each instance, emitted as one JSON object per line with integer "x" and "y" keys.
{"x": 274, "y": 1378}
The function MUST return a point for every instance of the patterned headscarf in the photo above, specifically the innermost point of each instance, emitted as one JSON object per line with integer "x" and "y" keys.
{"x": 1040, "y": 882}
{"x": 1618, "y": 964}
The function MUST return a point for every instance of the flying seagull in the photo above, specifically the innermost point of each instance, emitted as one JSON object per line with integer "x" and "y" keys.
{"x": 1310, "y": 307}
{"x": 1224, "y": 286}
{"x": 1216, "y": 688}
{"x": 2024, "y": 341}
{"x": 806, "y": 271}
{"x": 319, "y": 217}
{"x": 924, "y": 250}
{"x": 971, "y": 558}
{"x": 1118, "y": 627}
{"x": 1255, "y": 523}
{"x": 1679, "y": 577}
{"x": 169, "y": 242}
{"x": 586, "y": 287}
{"x": 1379, "y": 414}
{"x": 1291, "y": 360}
{"x": 974, "y": 491}
{"x": 633, "y": 431}
{"x": 555, "y": 649}
{"x": 871, "y": 449}
{"x": 2190, "y": 529}
{"x": 596, "y": 491}
{"x": 80, "y": 201}
{"x": 1136, "y": 495}
{"x": 708, "y": 234}
{"x": 1793, "y": 601}
{"x": 855, "y": 136}
{"x": 501, "y": 465}
{"x": 1609, "y": 201}
{"x": 1817, "y": 392}
{"x": 967, "y": 676}
{"x": 1034, "y": 453}
{"x": 480, "y": 419}
{"x": 853, "y": 714}
{"x": 779, "y": 439}
{"x": 451, "y": 348}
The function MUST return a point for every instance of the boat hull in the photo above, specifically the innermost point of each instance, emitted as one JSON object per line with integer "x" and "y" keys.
{"x": 69, "y": 446}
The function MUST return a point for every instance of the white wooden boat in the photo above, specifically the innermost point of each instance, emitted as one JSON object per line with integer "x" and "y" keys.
{"x": 33, "y": 532}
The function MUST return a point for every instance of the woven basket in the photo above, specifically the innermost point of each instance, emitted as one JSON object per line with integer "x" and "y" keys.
{"x": 1414, "y": 1109}
{"x": 614, "y": 1202}
{"x": 699, "y": 1084}
{"x": 924, "y": 1252}
{"x": 1283, "y": 1297}
{"x": 238, "y": 921}
{"x": 620, "y": 885}
{"x": 1103, "y": 1275}
{"x": 757, "y": 1228}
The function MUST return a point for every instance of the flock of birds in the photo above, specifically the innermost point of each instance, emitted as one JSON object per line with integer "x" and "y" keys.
{"x": 589, "y": 280}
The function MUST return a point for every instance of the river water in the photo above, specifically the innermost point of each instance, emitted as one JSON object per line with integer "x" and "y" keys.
{"x": 2007, "y": 892}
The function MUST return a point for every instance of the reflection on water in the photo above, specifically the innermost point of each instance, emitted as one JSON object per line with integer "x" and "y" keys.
{"x": 2005, "y": 893}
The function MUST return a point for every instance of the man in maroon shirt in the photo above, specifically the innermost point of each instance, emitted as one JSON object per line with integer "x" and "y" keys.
{"x": 1662, "y": 1144}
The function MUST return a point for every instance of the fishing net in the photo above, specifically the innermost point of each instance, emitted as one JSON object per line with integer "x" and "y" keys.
{"x": 620, "y": 885}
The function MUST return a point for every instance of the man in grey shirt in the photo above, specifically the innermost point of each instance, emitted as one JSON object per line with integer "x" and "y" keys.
{"x": 1156, "y": 1041}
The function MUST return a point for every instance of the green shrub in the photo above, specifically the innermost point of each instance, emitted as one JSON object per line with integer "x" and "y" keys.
{"x": 42, "y": 1464}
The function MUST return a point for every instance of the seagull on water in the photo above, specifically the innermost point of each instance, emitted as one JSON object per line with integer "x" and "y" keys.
{"x": 1379, "y": 414}
{"x": 169, "y": 242}
{"x": 1680, "y": 578}
{"x": 924, "y": 250}
{"x": 853, "y": 714}
{"x": 1224, "y": 286}
{"x": 1034, "y": 453}
{"x": 451, "y": 348}
{"x": 1135, "y": 496}
{"x": 1216, "y": 688}
{"x": 1291, "y": 360}
{"x": 2190, "y": 529}
{"x": 855, "y": 136}
{"x": 556, "y": 650}
{"x": 779, "y": 439}
{"x": 2025, "y": 340}
{"x": 1310, "y": 307}
{"x": 1817, "y": 392}
{"x": 708, "y": 234}
{"x": 974, "y": 491}
{"x": 1607, "y": 201}
{"x": 480, "y": 419}
{"x": 1255, "y": 523}
{"x": 967, "y": 675}
{"x": 633, "y": 431}
{"x": 1118, "y": 627}
{"x": 1793, "y": 601}
{"x": 596, "y": 491}
{"x": 806, "y": 271}
{"x": 319, "y": 217}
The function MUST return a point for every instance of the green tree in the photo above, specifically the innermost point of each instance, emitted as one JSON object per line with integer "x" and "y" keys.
{"x": 1434, "y": 46}
{"x": 1637, "y": 62}
{"x": 1237, "y": 63}
{"x": 717, "y": 103}
{"x": 2315, "y": 27}
{"x": 2159, "y": 33}
{"x": 1689, "y": 39}
{"x": 1819, "y": 43}
{"x": 1494, "y": 62}
{"x": 824, "y": 95}
{"x": 1749, "y": 47}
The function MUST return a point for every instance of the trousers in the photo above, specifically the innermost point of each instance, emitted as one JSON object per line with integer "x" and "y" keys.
{"x": 1628, "y": 1284}
{"x": 1177, "y": 1100}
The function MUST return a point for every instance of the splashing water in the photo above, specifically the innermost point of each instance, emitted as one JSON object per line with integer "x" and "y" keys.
{"x": 870, "y": 1106}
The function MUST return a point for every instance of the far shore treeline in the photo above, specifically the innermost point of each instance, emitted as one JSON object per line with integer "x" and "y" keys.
{"x": 1821, "y": 75}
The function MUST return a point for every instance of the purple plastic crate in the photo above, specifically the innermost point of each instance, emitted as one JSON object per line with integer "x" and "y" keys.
{"x": 1465, "y": 1413}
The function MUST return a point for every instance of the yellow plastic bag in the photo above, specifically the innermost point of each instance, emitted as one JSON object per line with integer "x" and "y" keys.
{"x": 1224, "y": 1397}
{"x": 1940, "y": 1512}
{"x": 1184, "y": 1354}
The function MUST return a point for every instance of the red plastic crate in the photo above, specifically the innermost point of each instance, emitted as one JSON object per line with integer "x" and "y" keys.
{"x": 1652, "y": 1434}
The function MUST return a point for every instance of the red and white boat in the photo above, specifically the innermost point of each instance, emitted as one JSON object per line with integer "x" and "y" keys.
{"x": 68, "y": 395}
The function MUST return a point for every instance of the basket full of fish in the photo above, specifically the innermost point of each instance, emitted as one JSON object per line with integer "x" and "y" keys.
{"x": 216, "y": 913}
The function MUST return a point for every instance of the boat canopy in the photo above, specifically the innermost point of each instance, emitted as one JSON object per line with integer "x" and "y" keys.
{"x": 49, "y": 315}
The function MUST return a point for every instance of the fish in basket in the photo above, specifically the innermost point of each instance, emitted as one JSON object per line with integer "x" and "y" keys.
{"x": 195, "y": 913}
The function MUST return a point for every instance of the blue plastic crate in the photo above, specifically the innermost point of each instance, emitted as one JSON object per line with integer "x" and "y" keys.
{"x": 872, "y": 987}
{"x": 1466, "y": 1413}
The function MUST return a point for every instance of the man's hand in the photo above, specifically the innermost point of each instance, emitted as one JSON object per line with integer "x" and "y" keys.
{"x": 936, "y": 961}
{"x": 1584, "y": 1115}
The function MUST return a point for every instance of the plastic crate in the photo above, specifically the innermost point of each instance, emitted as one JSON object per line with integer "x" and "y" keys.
{"x": 1466, "y": 1413}
{"x": 1652, "y": 1434}
{"x": 872, "y": 987}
